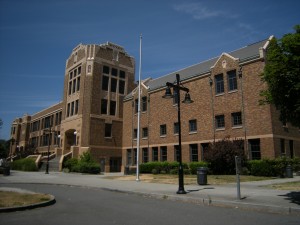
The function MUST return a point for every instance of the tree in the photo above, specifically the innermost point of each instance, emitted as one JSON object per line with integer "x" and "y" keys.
{"x": 282, "y": 74}
{"x": 221, "y": 155}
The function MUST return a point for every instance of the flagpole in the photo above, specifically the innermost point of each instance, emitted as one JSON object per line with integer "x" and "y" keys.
{"x": 139, "y": 116}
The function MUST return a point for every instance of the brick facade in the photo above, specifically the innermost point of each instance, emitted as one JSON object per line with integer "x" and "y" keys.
{"x": 98, "y": 112}
{"x": 237, "y": 103}
{"x": 84, "y": 124}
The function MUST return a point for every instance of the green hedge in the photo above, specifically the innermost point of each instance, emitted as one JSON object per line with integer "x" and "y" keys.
{"x": 170, "y": 167}
{"x": 272, "y": 167}
{"x": 84, "y": 165}
{"x": 26, "y": 164}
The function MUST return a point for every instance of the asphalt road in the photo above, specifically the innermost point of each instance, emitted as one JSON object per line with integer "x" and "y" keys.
{"x": 88, "y": 206}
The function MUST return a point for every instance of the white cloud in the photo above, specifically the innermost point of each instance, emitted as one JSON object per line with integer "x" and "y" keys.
{"x": 199, "y": 12}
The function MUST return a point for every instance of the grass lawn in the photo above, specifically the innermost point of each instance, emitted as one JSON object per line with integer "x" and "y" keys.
{"x": 13, "y": 199}
{"x": 291, "y": 186}
{"x": 189, "y": 179}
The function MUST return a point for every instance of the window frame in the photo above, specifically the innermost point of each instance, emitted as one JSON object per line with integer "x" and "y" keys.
{"x": 217, "y": 122}
{"x": 163, "y": 130}
{"x": 193, "y": 126}
{"x": 219, "y": 84}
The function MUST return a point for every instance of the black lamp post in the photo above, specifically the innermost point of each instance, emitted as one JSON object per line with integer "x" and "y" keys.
{"x": 48, "y": 130}
{"x": 177, "y": 87}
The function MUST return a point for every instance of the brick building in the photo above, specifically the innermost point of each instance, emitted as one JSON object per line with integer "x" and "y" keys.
{"x": 226, "y": 94}
{"x": 98, "y": 112}
{"x": 90, "y": 117}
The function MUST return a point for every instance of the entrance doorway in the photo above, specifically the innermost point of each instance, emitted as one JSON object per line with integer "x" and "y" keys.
{"x": 115, "y": 164}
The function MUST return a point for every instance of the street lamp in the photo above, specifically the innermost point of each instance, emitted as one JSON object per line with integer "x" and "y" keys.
{"x": 177, "y": 88}
{"x": 48, "y": 130}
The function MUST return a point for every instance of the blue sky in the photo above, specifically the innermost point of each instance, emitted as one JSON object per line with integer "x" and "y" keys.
{"x": 37, "y": 36}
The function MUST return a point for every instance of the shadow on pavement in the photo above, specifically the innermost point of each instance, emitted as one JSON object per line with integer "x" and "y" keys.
{"x": 293, "y": 197}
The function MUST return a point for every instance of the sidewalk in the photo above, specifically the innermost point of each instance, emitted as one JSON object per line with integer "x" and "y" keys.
{"x": 254, "y": 195}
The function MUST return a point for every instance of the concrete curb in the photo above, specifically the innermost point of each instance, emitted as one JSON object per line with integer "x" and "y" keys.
{"x": 31, "y": 206}
{"x": 210, "y": 201}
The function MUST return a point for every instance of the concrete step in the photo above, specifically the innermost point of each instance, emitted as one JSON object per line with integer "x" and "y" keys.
{"x": 53, "y": 165}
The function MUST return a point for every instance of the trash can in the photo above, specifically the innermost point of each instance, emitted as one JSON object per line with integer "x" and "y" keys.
{"x": 202, "y": 176}
{"x": 6, "y": 171}
{"x": 289, "y": 171}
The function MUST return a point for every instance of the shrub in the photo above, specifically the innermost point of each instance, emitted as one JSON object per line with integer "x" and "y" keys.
{"x": 261, "y": 168}
{"x": 194, "y": 165}
{"x": 26, "y": 164}
{"x": 221, "y": 155}
{"x": 71, "y": 164}
{"x": 86, "y": 164}
{"x": 272, "y": 167}
{"x": 296, "y": 164}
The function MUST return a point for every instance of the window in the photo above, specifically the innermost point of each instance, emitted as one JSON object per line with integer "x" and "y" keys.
{"x": 136, "y": 104}
{"x": 103, "y": 106}
{"x": 47, "y": 122}
{"x": 194, "y": 152}
{"x": 108, "y": 130}
{"x": 193, "y": 125}
{"x": 135, "y": 134}
{"x": 89, "y": 69}
{"x": 122, "y": 74}
{"x": 68, "y": 110}
{"x": 113, "y": 85}
{"x": 114, "y": 72}
{"x": 145, "y": 132}
{"x": 112, "y": 108}
{"x": 236, "y": 119}
{"x": 144, "y": 103}
{"x": 220, "y": 121}
{"x": 219, "y": 84}
{"x": 282, "y": 147}
{"x": 72, "y": 108}
{"x": 70, "y": 87}
{"x": 121, "y": 87}
{"x": 163, "y": 130}
{"x": 176, "y": 152}
{"x": 76, "y": 106}
{"x": 254, "y": 146}
{"x": 155, "y": 154}
{"x": 74, "y": 86}
{"x": 135, "y": 156}
{"x": 291, "y": 144}
{"x": 176, "y": 128}
{"x": 105, "y": 81}
{"x": 105, "y": 69}
{"x": 35, "y": 126}
{"x": 129, "y": 157}
{"x": 164, "y": 153}
{"x": 78, "y": 84}
{"x": 232, "y": 81}
{"x": 145, "y": 155}
{"x": 74, "y": 80}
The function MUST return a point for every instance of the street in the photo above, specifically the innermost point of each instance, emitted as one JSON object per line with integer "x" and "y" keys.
{"x": 83, "y": 205}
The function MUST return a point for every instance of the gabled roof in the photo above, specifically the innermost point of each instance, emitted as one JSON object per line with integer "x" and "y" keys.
{"x": 244, "y": 54}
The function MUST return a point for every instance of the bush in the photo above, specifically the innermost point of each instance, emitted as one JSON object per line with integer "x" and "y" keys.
{"x": 261, "y": 168}
{"x": 194, "y": 165}
{"x": 272, "y": 167}
{"x": 85, "y": 164}
{"x": 71, "y": 164}
{"x": 221, "y": 155}
{"x": 26, "y": 164}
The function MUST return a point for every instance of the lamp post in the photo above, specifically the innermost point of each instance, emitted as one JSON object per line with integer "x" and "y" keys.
{"x": 178, "y": 87}
{"x": 48, "y": 130}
